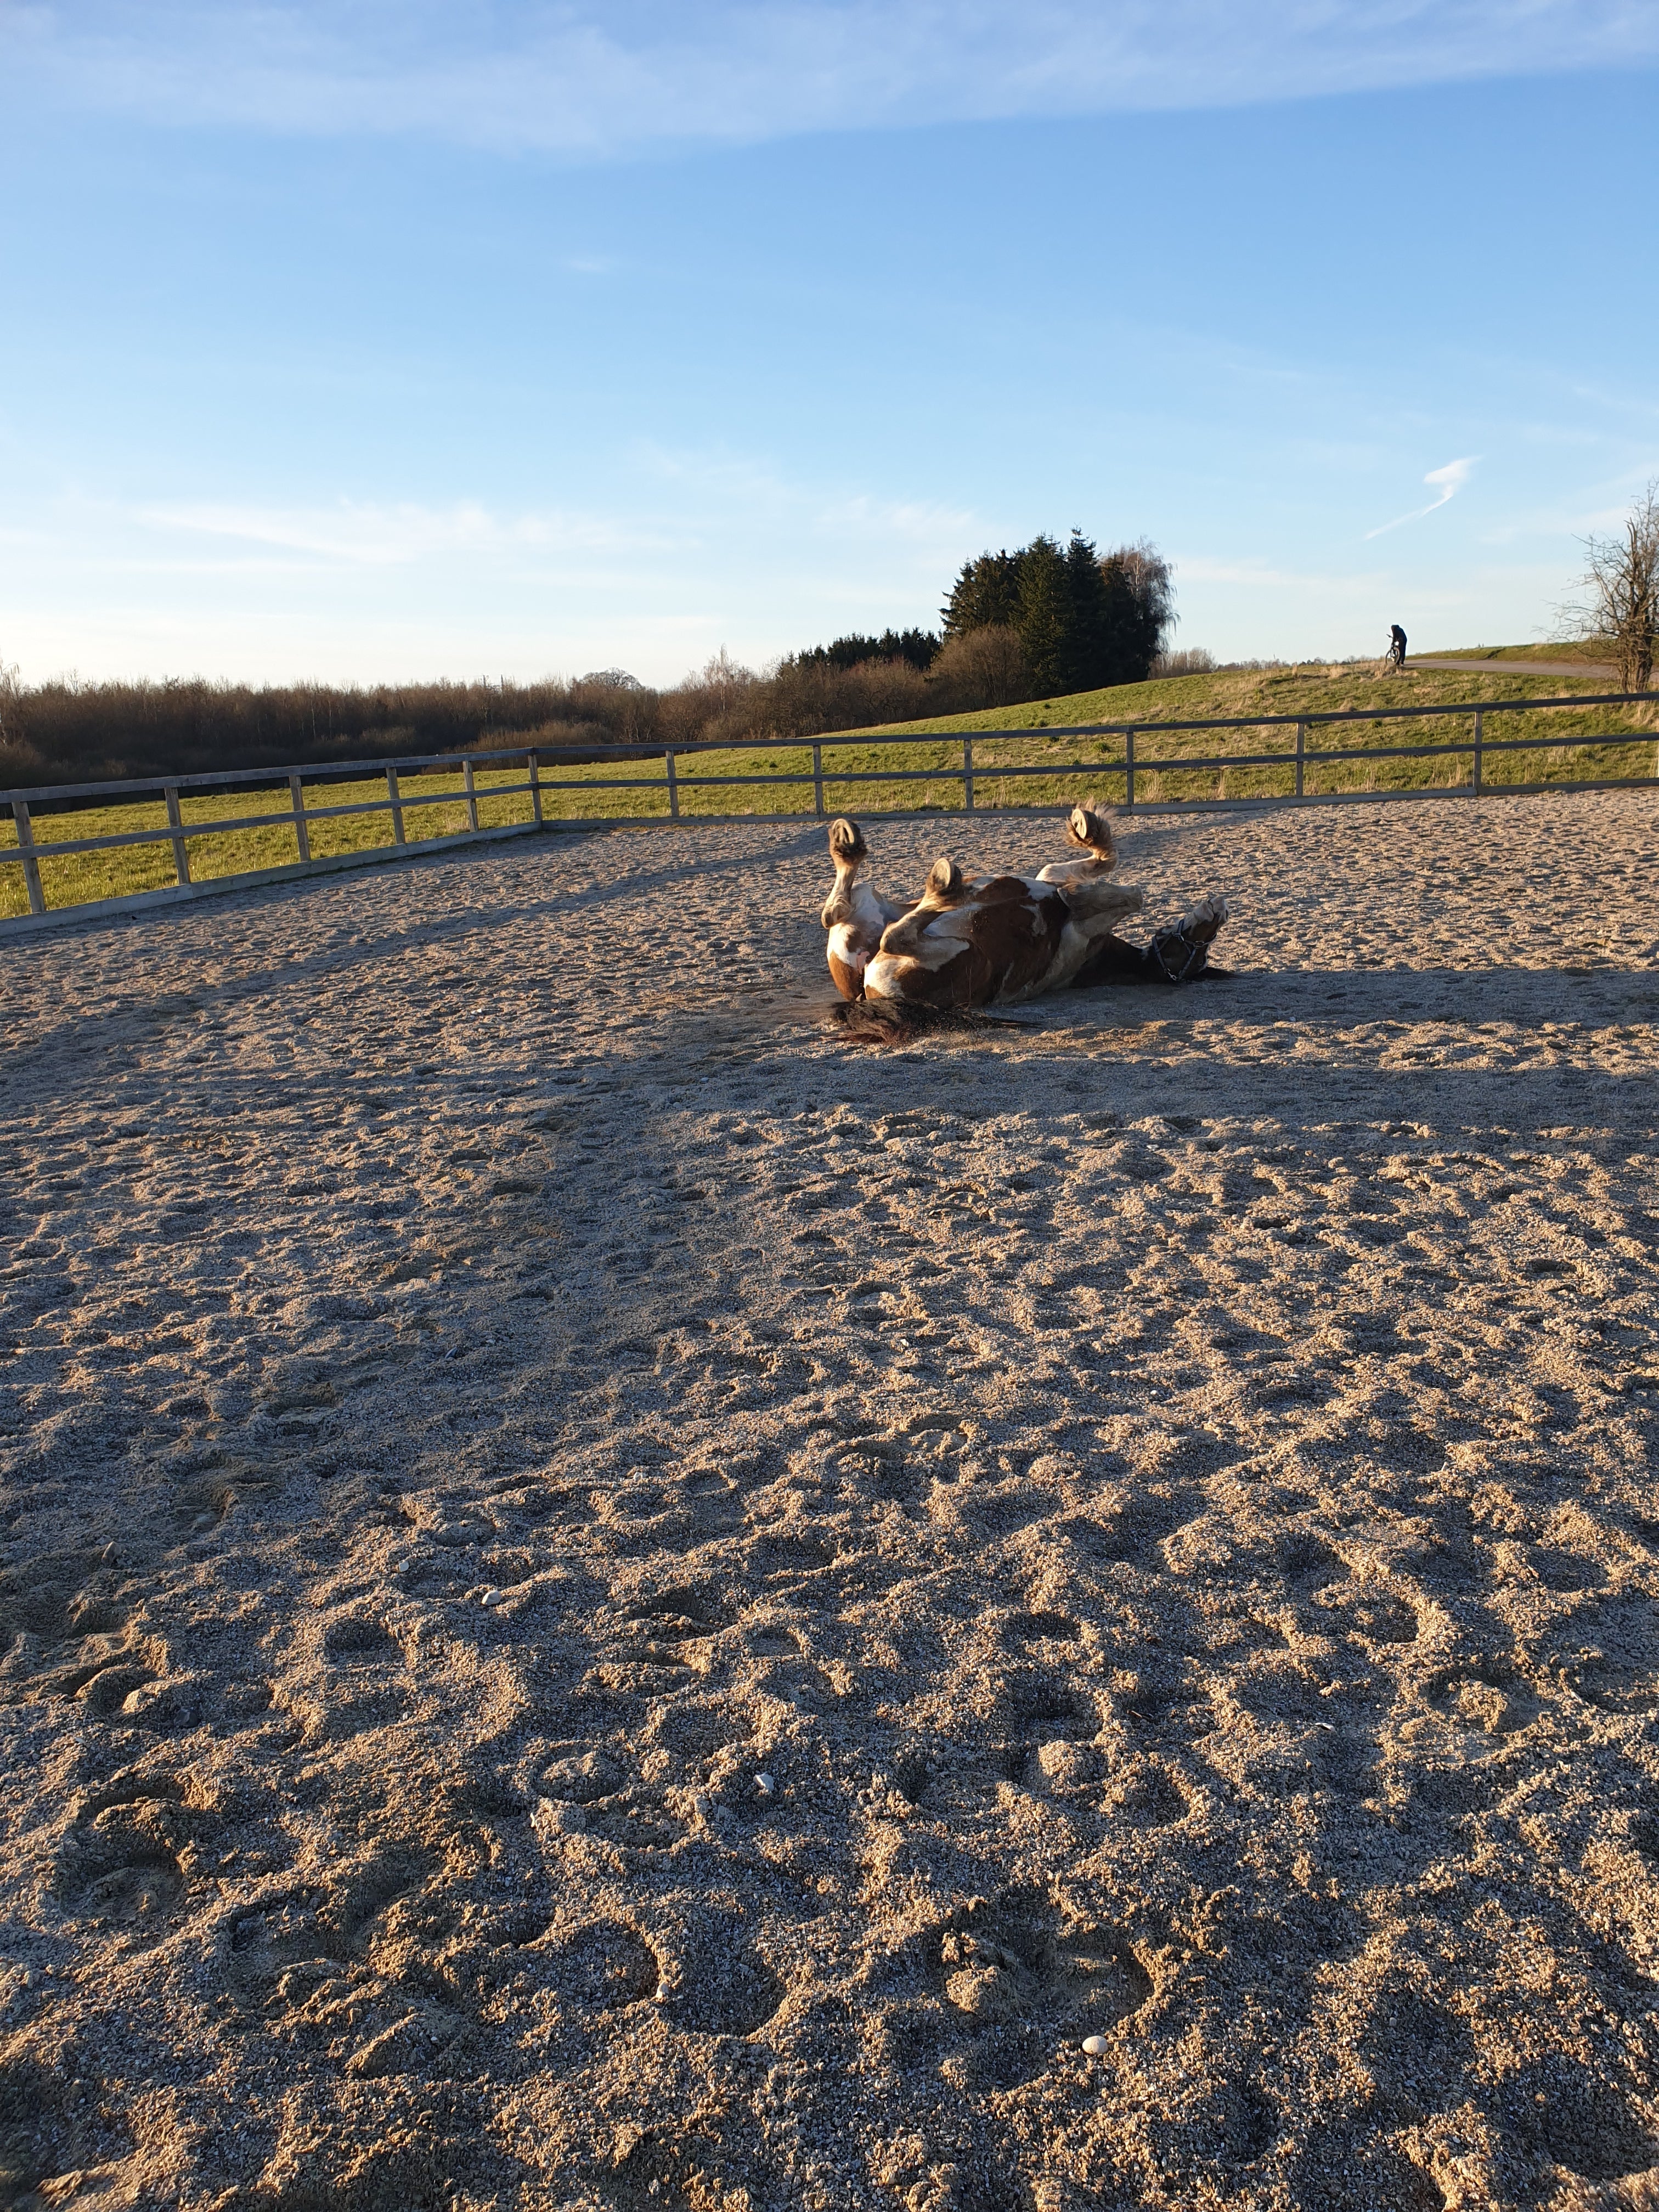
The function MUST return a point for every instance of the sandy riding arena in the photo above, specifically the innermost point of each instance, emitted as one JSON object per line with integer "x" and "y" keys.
{"x": 612, "y": 1600}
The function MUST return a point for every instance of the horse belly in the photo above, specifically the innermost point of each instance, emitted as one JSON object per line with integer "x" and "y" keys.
{"x": 962, "y": 981}
{"x": 1022, "y": 943}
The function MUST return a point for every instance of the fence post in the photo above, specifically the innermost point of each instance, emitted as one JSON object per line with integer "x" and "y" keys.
{"x": 533, "y": 763}
{"x": 1477, "y": 749}
{"x": 968, "y": 774}
{"x": 302, "y": 835}
{"x": 472, "y": 795}
{"x": 1129, "y": 768}
{"x": 673, "y": 786}
{"x": 397, "y": 811}
{"x": 31, "y": 865}
{"x": 176, "y": 823}
{"x": 818, "y": 778}
{"x": 1301, "y": 752}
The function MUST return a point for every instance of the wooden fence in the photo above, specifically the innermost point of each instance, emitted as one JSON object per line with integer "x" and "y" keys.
{"x": 673, "y": 783}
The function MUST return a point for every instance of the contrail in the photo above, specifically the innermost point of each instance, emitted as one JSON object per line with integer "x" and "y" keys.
{"x": 1451, "y": 479}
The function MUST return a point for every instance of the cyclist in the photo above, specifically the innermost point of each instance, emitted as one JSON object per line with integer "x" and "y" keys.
{"x": 1396, "y": 653}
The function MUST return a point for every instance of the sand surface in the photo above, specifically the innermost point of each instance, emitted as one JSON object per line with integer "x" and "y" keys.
{"x": 609, "y": 1601}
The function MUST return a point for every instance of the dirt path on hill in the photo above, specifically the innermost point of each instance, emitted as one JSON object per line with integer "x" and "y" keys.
{"x": 1584, "y": 671}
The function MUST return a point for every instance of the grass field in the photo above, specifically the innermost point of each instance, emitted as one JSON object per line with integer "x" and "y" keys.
{"x": 433, "y": 807}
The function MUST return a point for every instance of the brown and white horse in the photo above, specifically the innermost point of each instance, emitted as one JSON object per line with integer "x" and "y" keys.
{"x": 966, "y": 944}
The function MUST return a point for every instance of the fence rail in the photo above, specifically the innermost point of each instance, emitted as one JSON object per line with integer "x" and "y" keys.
{"x": 674, "y": 784}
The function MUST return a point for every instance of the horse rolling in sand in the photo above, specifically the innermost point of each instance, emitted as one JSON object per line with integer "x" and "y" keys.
{"x": 966, "y": 944}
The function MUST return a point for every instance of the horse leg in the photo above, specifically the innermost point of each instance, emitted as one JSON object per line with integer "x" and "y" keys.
{"x": 854, "y": 914}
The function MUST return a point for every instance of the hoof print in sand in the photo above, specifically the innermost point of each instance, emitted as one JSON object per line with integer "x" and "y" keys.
{"x": 356, "y": 1640}
{"x": 379, "y": 2177}
{"x": 604, "y": 1966}
{"x": 359, "y": 1684}
{"x": 1616, "y": 1672}
{"x": 1145, "y": 1795}
{"x": 85, "y": 1648}
{"x": 108, "y": 1688}
{"x": 773, "y": 1643}
{"x": 1365, "y": 1611}
{"x": 1042, "y": 1705}
{"x": 667, "y": 1629}
{"x": 1421, "y": 2053}
{"x": 370, "y": 1917}
{"x": 287, "y": 1939}
{"x": 1011, "y": 1974}
{"x": 199, "y": 1508}
{"x": 715, "y": 1502}
{"x": 582, "y": 1778}
{"x": 1021, "y": 1630}
{"x": 722, "y": 1986}
{"x": 60, "y": 2143}
{"x": 650, "y": 2172}
{"x": 58, "y": 1627}
{"x": 1567, "y": 2114}
{"x": 127, "y": 1857}
{"x": 1612, "y": 1687}
{"x": 1484, "y": 1704}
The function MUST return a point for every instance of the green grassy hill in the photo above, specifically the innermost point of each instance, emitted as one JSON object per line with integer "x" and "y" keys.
{"x": 1309, "y": 687}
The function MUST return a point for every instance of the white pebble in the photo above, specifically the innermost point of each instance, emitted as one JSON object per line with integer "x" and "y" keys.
{"x": 493, "y": 1597}
{"x": 763, "y": 1783}
{"x": 1095, "y": 2046}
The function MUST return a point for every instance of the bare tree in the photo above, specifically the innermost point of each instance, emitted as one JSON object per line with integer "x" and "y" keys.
{"x": 984, "y": 667}
{"x": 1620, "y": 581}
{"x": 10, "y": 691}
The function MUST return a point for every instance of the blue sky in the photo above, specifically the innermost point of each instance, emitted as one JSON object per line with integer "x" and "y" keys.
{"x": 358, "y": 341}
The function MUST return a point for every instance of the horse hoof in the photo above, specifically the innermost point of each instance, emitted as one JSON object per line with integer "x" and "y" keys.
{"x": 1091, "y": 830}
{"x": 846, "y": 840}
{"x": 1205, "y": 918}
{"x": 944, "y": 878}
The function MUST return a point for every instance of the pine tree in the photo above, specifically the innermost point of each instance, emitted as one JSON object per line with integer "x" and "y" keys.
{"x": 1088, "y": 625}
{"x": 1042, "y": 615}
{"x": 986, "y": 592}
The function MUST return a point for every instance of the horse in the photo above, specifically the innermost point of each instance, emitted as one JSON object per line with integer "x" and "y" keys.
{"x": 966, "y": 944}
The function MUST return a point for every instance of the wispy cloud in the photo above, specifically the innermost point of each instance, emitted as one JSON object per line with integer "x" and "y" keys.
{"x": 579, "y": 78}
{"x": 925, "y": 524}
{"x": 1449, "y": 482}
{"x": 350, "y": 535}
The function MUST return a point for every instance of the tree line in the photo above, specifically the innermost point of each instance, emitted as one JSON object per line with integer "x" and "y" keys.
{"x": 1042, "y": 620}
